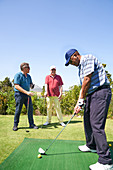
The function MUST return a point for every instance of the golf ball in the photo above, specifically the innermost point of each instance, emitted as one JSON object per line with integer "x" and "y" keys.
{"x": 39, "y": 156}
{"x": 110, "y": 144}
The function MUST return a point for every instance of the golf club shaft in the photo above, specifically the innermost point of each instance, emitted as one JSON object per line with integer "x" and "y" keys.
{"x": 27, "y": 109}
{"x": 60, "y": 132}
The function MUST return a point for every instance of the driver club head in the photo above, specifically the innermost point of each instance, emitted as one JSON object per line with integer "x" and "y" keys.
{"x": 40, "y": 150}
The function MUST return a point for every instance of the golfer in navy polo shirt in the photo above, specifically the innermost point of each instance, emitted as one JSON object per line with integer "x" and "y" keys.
{"x": 22, "y": 84}
{"x": 95, "y": 87}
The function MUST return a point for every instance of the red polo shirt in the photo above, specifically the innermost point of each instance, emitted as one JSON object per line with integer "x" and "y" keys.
{"x": 53, "y": 85}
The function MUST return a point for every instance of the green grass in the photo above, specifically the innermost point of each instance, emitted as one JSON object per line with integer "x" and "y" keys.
{"x": 10, "y": 140}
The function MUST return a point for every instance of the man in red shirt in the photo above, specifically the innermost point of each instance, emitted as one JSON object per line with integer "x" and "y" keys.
{"x": 53, "y": 92}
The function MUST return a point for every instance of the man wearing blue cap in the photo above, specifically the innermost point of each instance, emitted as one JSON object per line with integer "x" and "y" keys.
{"x": 95, "y": 87}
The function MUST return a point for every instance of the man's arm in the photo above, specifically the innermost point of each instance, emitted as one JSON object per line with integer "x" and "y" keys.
{"x": 85, "y": 86}
{"x": 60, "y": 90}
{"x": 83, "y": 92}
{"x": 18, "y": 87}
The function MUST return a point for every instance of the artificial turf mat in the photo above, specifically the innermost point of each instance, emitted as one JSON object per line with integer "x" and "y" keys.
{"x": 62, "y": 155}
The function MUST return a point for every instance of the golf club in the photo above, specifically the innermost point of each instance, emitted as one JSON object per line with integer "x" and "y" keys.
{"x": 40, "y": 150}
{"x": 27, "y": 112}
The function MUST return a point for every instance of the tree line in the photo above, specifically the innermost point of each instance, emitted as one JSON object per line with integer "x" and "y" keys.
{"x": 68, "y": 101}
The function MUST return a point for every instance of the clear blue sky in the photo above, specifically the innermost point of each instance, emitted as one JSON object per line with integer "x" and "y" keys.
{"x": 41, "y": 31}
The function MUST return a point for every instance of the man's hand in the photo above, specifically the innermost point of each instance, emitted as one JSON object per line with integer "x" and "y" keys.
{"x": 30, "y": 94}
{"x": 81, "y": 102}
{"x": 77, "y": 109}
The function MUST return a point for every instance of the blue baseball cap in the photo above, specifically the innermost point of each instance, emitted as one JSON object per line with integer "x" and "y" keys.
{"x": 68, "y": 55}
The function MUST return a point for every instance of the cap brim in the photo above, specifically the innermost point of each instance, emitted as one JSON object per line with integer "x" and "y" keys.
{"x": 67, "y": 62}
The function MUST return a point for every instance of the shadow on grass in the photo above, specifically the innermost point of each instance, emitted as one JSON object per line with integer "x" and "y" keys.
{"x": 24, "y": 128}
{"x": 56, "y": 125}
{"x": 50, "y": 126}
{"x": 74, "y": 121}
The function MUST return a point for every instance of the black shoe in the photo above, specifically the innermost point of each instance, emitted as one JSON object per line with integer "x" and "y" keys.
{"x": 34, "y": 127}
{"x": 15, "y": 128}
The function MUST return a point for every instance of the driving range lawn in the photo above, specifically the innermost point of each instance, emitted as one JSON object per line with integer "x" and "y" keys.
{"x": 10, "y": 140}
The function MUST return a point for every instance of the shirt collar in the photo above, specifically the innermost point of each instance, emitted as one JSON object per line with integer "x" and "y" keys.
{"x": 82, "y": 57}
{"x": 23, "y": 73}
{"x": 81, "y": 60}
{"x": 52, "y": 76}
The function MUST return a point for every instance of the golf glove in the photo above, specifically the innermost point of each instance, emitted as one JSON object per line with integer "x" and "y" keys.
{"x": 81, "y": 103}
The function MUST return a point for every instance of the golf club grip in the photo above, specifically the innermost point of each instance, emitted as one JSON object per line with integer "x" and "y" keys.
{"x": 61, "y": 131}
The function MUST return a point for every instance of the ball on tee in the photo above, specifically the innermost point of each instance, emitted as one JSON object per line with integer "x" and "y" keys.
{"x": 39, "y": 156}
{"x": 110, "y": 144}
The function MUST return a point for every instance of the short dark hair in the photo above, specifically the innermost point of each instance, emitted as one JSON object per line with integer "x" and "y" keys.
{"x": 23, "y": 65}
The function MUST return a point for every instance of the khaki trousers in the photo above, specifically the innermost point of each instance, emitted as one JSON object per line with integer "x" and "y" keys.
{"x": 50, "y": 101}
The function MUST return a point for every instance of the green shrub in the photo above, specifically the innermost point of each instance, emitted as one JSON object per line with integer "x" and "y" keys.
{"x": 68, "y": 101}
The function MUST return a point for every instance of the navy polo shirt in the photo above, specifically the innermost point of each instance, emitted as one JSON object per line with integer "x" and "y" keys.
{"x": 22, "y": 81}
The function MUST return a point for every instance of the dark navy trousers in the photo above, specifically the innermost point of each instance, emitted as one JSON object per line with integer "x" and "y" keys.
{"x": 21, "y": 99}
{"x": 95, "y": 115}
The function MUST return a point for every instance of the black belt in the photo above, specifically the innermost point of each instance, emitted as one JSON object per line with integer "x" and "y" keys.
{"x": 99, "y": 88}
{"x": 103, "y": 87}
